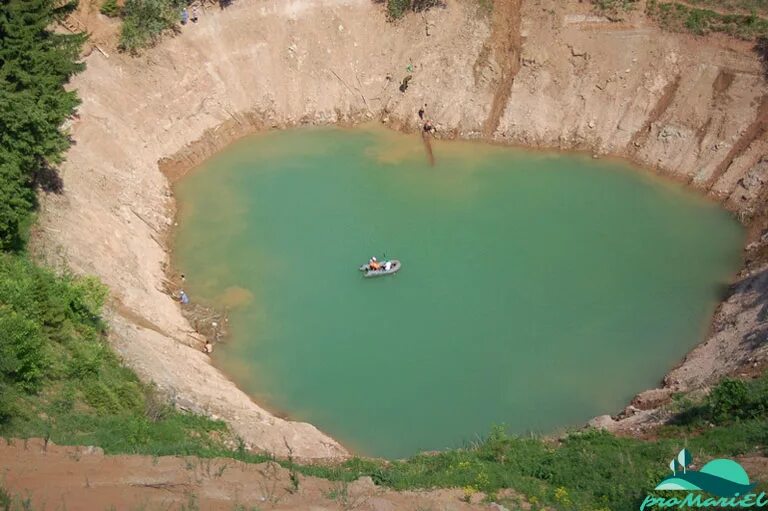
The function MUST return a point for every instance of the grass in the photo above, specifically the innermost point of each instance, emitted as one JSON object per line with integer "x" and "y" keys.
{"x": 733, "y": 6}
{"x": 587, "y": 470}
{"x": 679, "y": 17}
{"x": 11, "y": 502}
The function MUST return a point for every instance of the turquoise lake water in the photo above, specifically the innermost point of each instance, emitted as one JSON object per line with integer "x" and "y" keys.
{"x": 537, "y": 290}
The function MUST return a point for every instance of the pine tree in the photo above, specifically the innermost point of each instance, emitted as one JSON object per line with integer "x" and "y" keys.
{"x": 35, "y": 64}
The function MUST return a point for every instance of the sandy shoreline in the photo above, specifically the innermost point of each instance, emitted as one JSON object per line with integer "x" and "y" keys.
{"x": 273, "y": 64}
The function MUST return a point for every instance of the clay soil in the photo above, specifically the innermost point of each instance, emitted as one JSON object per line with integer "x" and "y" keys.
{"x": 84, "y": 479}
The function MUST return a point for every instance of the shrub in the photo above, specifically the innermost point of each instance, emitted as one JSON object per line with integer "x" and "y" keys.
{"x": 737, "y": 399}
{"x": 5, "y": 499}
{"x": 728, "y": 400}
{"x": 615, "y": 8}
{"x": 144, "y": 21}
{"x": 8, "y": 399}
{"x": 16, "y": 202}
{"x": 423, "y": 5}
{"x": 110, "y": 8}
{"x": 23, "y": 357}
{"x": 396, "y": 8}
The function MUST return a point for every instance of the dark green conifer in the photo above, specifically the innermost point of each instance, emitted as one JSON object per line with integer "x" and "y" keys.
{"x": 35, "y": 64}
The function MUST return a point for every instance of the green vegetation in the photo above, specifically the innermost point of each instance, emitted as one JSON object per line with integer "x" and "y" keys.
{"x": 732, "y": 6}
{"x": 614, "y": 8}
{"x": 732, "y": 400}
{"x": 10, "y": 502}
{"x": 35, "y": 63}
{"x": 110, "y": 8}
{"x": 397, "y": 8}
{"x": 60, "y": 380}
{"x": 144, "y": 22}
{"x": 682, "y": 17}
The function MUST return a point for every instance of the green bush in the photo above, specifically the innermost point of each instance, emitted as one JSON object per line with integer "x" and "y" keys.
{"x": 8, "y": 400}
{"x": 734, "y": 399}
{"x": 110, "y": 8}
{"x": 5, "y": 499}
{"x": 423, "y": 5}
{"x": 144, "y": 21}
{"x": 23, "y": 354}
{"x": 397, "y": 8}
{"x": 16, "y": 201}
{"x": 730, "y": 399}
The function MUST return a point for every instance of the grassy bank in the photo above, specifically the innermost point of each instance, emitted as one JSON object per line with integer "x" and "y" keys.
{"x": 59, "y": 379}
{"x": 727, "y": 19}
{"x": 732, "y": 6}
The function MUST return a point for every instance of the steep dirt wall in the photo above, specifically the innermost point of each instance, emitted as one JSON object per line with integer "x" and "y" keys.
{"x": 689, "y": 108}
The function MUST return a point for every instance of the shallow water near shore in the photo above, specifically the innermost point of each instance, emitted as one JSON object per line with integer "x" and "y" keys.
{"x": 537, "y": 290}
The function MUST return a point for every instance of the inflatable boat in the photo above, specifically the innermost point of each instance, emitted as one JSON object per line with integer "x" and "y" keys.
{"x": 387, "y": 268}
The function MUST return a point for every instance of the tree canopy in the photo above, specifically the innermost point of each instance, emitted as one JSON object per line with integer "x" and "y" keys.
{"x": 35, "y": 63}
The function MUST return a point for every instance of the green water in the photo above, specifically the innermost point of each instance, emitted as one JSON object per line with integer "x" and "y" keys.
{"x": 537, "y": 290}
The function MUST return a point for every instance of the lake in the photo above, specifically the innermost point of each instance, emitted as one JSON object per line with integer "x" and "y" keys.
{"x": 537, "y": 289}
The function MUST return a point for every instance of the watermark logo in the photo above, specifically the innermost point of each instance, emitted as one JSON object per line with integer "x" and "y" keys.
{"x": 723, "y": 478}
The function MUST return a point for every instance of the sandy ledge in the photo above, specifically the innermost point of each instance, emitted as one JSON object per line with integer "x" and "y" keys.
{"x": 550, "y": 76}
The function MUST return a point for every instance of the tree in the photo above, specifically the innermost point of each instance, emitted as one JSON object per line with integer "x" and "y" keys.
{"x": 35, "y": 63}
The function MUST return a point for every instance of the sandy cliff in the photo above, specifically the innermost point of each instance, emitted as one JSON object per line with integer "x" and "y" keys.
{"x": 544, "y": 73}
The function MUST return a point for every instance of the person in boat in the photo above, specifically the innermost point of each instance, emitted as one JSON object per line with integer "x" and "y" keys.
{"x": 374, "y": 264}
